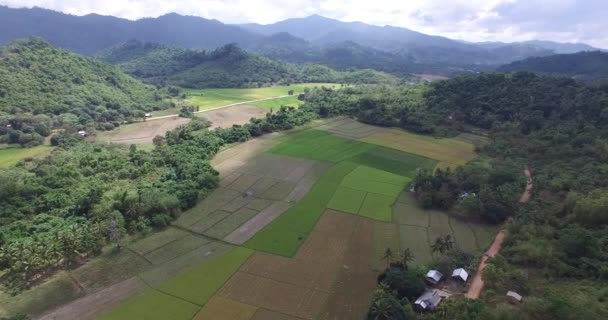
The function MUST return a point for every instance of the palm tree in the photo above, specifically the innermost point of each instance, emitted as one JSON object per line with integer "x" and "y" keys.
{"x": 388, "y": 256}
{"x": 406, "y": 257}
{"x": 443, "y": 244}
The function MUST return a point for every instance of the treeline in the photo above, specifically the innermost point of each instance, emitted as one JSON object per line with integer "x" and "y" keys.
{"x": 42, "y": 87}
{"x": 225, "y": 67}
{"x": 57, "y": 211}
{"x": 559, "y": 127}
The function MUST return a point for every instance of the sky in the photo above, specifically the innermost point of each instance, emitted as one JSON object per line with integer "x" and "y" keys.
{"x": 471, "y": 20}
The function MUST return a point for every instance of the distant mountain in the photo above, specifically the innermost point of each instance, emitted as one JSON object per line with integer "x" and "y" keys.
{"x": 555, "y": 47}
{"x": 91, "y": 33}
{"x": 311, "y": 39}
{"x": 227, "y": 66}
{"x": 38, "y": 78}
{"x": 588, "y": 66}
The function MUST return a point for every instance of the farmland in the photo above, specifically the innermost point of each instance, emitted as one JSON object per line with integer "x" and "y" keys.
{"x": 296, "y": 219}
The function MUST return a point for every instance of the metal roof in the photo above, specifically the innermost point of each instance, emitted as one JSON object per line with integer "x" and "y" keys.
{"x": 461, "y": 273}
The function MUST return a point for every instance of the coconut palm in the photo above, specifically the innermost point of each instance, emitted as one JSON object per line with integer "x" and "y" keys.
{"x": 388, "y": 256}
{"x": 406, "y": 257}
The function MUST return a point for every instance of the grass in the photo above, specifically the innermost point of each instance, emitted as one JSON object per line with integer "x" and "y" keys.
{"x": 10, "y": 156}
{"x": 211, "y": 98}
{"x": 347, "y": 200}
{"x": 452, "y": 152}
{"x": 320, "y": 145}
{"x": 153, "y": 305}
{"x": 377, "y": 207}
{"x": 394, "y": 161}
{"x": 200, "y": 283}
{"x": 276, "y": 104}
{"x": 285, "y": 234}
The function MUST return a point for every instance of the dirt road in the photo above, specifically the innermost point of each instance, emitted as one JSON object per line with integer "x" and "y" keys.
{"x": 477, "y": 284}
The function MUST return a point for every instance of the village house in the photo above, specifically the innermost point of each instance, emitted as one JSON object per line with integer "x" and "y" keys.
{"x": 429, "y": 300}
{"x": 433, "y": 276}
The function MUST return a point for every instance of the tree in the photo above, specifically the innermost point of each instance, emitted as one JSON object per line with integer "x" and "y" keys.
{"x": 388, "y": 256}
{"x": 442, "y": 244}
{"x": 406, "y": 257}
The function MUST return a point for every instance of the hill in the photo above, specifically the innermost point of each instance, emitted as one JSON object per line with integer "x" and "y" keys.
{"x": 588, "y": 66}
{"x": 228, "y": 66}
{"x": 91, "y": 33}
{"x": 62, "y": 88}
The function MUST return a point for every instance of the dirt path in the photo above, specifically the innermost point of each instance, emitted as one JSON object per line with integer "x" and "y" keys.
{"x": 220, "y": 107}
{"x": 477, "y": 284}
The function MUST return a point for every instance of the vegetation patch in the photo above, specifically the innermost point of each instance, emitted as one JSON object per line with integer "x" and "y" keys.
{"x": 417, "y": 240}
{"x": 347, "y": 200}
{"x": 153, "y": 305}
{"x": 451, "y": 151}
{"x": 385, "y": 236}
{"x": 320, "y": 145}
{"x": 394, "y": 161}
{"x": 10, "y": 156}
{"x": 276, "y": 104}
{"x": 284, "y": 235}
{"x": 175, "y": 249}
{"x": 200, "y": 283}
{"x": 377, "y": 207}
{"x": 219, "y": 308}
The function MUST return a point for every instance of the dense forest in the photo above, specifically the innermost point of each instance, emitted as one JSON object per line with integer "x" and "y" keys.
{"x": 42, "y": 87}
{"x": 225, "y": 67}
{"x": 557, "y": 250}
{"x": 587, "y": 66}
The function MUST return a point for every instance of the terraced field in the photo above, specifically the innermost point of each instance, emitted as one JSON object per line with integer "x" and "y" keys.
{"x": 296, "y": 230}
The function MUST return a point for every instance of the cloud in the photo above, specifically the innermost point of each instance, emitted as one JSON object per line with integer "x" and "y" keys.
{"x": 473, "y": 20}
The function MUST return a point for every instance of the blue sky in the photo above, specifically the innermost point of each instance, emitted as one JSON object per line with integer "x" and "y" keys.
{"x": 472, "y": 20}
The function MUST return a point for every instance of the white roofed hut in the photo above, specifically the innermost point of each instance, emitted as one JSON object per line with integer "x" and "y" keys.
{"x": 514, "y": 297}
{"x": 429, "y": 300}
{"x": 460, "y": 274}
{"x": 433, "y": 276}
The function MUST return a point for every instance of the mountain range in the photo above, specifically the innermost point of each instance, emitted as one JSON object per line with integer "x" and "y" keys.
{"x": 313, "y": 39}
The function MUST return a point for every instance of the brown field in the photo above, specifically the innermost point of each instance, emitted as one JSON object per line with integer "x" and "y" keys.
{"x": 227, "y": 117}
{"x": 140, "y": 132}
{"x": 349, "y": 129}
{"x": 355, "y": 283}
{"x": 300, "y": 286}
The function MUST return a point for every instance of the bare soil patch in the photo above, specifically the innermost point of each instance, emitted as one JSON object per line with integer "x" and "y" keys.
{"x": 227, "y": 117}
{"x": 141, "y": 132}
{"x": 251, "y": 227}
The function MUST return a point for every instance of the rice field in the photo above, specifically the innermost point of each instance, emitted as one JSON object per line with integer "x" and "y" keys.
{"x": 295, "y": 220}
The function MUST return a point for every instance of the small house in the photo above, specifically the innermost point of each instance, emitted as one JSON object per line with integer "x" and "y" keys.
{"x": 433, "y": 276}
{"x": 429, "y": 300}
{"x": 460, "y": 274}
{"x": 82, "y": 133}
{"x": 514, "y": 297}
{"x": 147, "y": 115}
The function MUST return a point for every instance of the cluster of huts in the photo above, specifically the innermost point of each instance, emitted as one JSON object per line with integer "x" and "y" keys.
{"x": 432, "y": 297}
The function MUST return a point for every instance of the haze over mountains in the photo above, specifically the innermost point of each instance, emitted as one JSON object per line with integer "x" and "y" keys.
{"x": 313, "y": 39}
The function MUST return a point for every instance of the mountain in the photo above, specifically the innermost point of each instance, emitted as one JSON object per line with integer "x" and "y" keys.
{"x": 227, "y": 66}
{"x": 91, "y": 33}
{"x": 555, "y": 47}
{"x": 588, "y": 66}
{"x": 38, "y": 78}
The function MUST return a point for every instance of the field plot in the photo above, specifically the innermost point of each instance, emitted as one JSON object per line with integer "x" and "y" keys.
{"x": 351, "y": 129}
{"x": 140, "y": 132}
{"x": 285, "y": 234}
{"x": 385, "y": 235}
{"x": 227, "y": 117}
{"x": 209, "y": 98}
{"x": 418, "y": 229}
{"x": 10, "y": 156}
{"x": 225, "y": 309}
{"x": 452, "y": 152}
{"x": 301, "y": 286}
{"x": 276, "y": 104}
{"x": 153, "y": 305}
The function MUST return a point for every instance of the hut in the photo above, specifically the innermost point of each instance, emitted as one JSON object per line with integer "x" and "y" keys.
{"x": 460, "y": 274}
{"x": 514, "y": 297}
{"x": 433, "y": 276}
{"x": 429, "y": 300}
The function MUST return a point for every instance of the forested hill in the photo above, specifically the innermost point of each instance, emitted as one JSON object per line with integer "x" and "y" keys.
{"x": 589, "y": 66}
{"x": 39, "y": 79}
{"x": 228, "y": 66}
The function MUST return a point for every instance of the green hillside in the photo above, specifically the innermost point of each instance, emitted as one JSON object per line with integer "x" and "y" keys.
{"x": 65, "y": 89}
{"x": 225, "y": 67}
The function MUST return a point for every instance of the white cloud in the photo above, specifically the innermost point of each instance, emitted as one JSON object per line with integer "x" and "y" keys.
{"x": 474, "y": 20}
